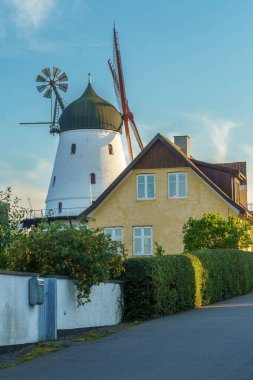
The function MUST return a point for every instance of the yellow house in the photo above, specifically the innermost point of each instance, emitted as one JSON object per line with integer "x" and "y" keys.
{"x": 157, "y": 193}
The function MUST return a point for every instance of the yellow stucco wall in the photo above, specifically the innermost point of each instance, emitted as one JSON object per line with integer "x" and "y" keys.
{"x": 166, "y": 216}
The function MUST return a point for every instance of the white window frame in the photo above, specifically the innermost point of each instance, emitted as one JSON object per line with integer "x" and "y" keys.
{"x": 177, "y": 196}
{"x": 145, "y": 187}
{"x": 113, "y": 234}
{"x": 142, "y": 240}
{"x": 120, "y": 249}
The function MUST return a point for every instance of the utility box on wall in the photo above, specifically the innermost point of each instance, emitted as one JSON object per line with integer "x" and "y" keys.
{"x": 36, "y": 291}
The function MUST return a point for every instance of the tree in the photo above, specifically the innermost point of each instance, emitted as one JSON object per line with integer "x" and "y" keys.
{"x": 11, "y": 214}
{"x": 214, "y": 231}
{"x": 84, "y": 254}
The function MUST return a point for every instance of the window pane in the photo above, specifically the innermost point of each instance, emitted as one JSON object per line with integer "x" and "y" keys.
{"x": 150, "y": 186}
{"x": 141, "y": 179}
{"x": 182, "y": 189}
{"x": 150, "y": 179}
{"x": 137, "y": 231}
{"x": 173, "y": 177}
{"x": 147, "y": 231}
{"x": 141, "y": 191}
{"x": 181, "y": 177}
{"x": 137, "y": 246}
{"x": 147, "y": 246}
{"x": 108, "y": 231}
{"x": 118, "y": 235}
{"x": 172, "y": 189}
{"x": 118, "y": 232}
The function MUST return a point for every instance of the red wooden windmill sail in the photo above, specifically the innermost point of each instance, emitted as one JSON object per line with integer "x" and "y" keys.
{"x": 119, "y": 86}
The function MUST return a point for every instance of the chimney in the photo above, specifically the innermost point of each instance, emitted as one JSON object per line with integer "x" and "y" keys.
{"x": 183, "y": 142}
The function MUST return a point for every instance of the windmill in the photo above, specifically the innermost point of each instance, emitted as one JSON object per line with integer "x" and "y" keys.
{"x": 50, "y": 84}
{"x": 119, "y": 87}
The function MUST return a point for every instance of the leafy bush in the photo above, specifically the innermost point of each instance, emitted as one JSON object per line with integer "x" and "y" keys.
{"x": 157, "y": 286}
{"x": 213, "y": 231}
{"x": 84, "y": 254}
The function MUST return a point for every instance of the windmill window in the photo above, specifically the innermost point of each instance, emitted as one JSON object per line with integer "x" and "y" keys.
{"x": 60, "y": 207}
{"x": 73, "y": 149}
{"x": 92, "y": 178}
{"x": 110, "y": 149}
{"x": 53, "y": 181}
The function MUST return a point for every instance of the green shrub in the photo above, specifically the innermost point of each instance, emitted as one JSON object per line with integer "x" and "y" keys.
{"x": 226, "y": 273}
{"x": 84, "y": 254}
{"x": 212, "y": 231}
{"x": 157, "y": 286}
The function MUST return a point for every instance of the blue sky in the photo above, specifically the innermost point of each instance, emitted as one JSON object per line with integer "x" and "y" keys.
{"x": 188, "y": 69}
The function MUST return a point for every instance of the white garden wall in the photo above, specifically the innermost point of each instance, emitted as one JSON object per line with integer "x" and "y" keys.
{"x": 104, "y": 309}
{"x": 21, "y": 323}
{"x": 18, "y": 320}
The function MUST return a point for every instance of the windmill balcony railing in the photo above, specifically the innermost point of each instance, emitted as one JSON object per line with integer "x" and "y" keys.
{"x": 54, "y": 213}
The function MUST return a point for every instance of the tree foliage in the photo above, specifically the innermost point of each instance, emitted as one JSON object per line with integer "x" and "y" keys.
{"x": 84, "y": 254}
{"x": 11, "y": 213}
{"x": 214, "y": 231}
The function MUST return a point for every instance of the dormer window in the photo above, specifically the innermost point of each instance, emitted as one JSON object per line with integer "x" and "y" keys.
{"x": 110, "y": 149}
{"x": 92, "y": 178}
{"x": 73, "y": 149}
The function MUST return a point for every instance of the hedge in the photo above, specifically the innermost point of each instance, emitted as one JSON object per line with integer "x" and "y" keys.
{"x": 226, "y": 273}
{"x": 159, "y": 286}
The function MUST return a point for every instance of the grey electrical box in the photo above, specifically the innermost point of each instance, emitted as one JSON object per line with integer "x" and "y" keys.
{"x": 36, "y": 291}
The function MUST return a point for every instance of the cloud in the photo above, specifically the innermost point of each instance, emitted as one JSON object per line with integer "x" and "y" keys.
{"x": 218, "y": 131}
{"x": 32, "y": 14}
{"x": 30, "y": 183}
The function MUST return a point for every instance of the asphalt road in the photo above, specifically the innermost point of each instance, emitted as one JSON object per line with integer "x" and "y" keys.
{"x": 215, "y": 343}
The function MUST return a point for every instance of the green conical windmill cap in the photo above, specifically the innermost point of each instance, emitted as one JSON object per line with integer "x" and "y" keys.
{"x": 90, "y": 112}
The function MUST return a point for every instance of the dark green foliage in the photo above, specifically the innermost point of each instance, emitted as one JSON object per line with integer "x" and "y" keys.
{"x": 226, "y": 273}
{"x": 158, "y": 286}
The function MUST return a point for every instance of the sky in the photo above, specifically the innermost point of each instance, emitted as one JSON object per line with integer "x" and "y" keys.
{"x": 188, "y": 68}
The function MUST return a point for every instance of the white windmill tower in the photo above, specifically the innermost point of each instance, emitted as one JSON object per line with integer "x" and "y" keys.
{"x": 89, "y": 155}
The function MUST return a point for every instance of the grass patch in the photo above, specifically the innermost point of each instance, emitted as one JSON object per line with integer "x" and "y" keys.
{"x": 7, "y": 365}
{"x": 40, "y": 349}
{"x": 94, "y": 335}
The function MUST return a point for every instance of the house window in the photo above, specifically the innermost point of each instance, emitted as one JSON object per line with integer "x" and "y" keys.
{"x": 145, "y": 186}
{"x": 116, "y": 234}
{"x": 60, "y": 207}
{"x": 110, "y": 149}
{"x": 53, "y": 181}
{"x": 73, "y": 149}
{"x": 177, "y": 185}
{"x": 142, "y": 241}
{"x": 92, "y": 178}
